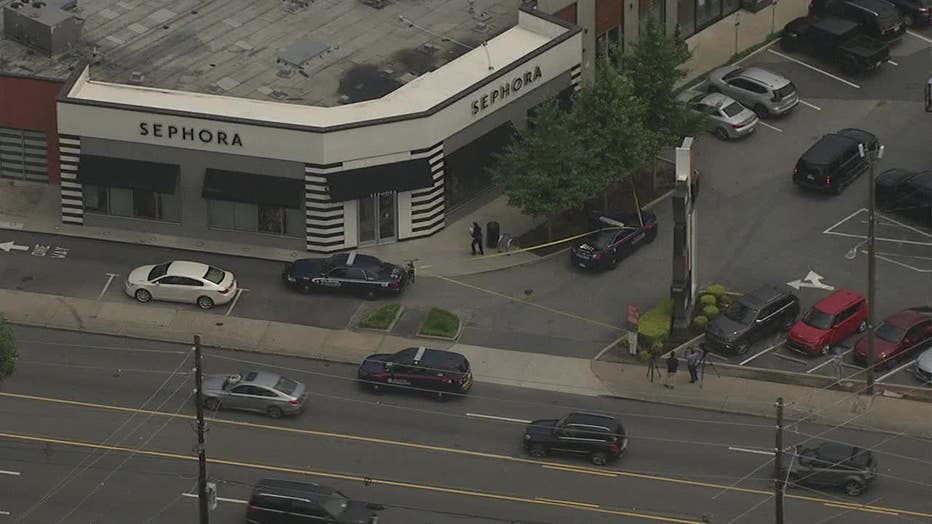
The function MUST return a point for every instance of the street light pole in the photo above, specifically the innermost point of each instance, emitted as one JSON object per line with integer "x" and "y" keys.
{"x": 871, "y": 284}
{"x": 778, "y": 474}
{"x": 203, "y": 503}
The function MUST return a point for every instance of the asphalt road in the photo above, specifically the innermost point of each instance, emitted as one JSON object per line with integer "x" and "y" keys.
{"x": 74, "y": 447}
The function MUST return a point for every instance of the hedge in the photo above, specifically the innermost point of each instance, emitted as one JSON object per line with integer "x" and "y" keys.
{"x": 655, "y": 325}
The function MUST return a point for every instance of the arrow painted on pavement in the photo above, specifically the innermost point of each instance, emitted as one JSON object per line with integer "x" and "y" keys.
{"x": 812, "y": 280}
{"x": 8, "y": 246}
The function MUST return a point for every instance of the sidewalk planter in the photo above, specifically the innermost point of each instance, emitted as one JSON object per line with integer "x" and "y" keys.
{"x": 383, "y": 318}
{"x": 655, "y": 326}
{"x": 440, "y": 323}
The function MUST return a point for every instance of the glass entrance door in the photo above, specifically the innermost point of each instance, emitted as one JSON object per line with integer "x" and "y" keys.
{"x": 377, "y": 219}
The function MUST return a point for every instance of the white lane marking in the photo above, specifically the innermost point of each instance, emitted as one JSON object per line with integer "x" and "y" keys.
{"x": 894, "y": 371}
{"x": 827, "y": 361}
{"x": 765, "y": 124}
{"x": 235, "y": 300}
{"x": 881, "y": 239}
{"x": 221, "y": 499}
{"x": 768, "y": 350}
{"x": 5, "y": 513}
{"x": 756, "y": 51}
{"x": 891, "y": 62}
{"x": 746, "y": 450}
{"x": 902, "y": 264}
{"x": 110, "y": 277}
{"x": 813, "y": 106}
{"x": 816, "y": 69}
{"x": 842, "y": 221}
{"x": 920, "y": 37}
{"x": 11, "y": 473}
{"x": 851, "y": 507}
{"x": 492, "y": 417}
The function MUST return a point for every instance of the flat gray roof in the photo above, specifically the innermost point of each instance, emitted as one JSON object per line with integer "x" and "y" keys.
{"x": 324, "y": 53}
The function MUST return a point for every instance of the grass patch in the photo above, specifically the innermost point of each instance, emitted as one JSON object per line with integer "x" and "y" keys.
{"x": 381, "y": 318}
{"x": 440, "y": 323}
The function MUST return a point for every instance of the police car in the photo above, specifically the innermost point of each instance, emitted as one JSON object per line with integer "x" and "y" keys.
{"x": 346, "y": 272}
{"x": 417, "y": 369}
{"x": 615, "y": 237}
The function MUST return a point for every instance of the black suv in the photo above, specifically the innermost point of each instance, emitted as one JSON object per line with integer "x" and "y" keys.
{"x": 615, "y": 238}
{"x": 289, "y": 502}
{"x": 835, "y": 161}
{"x": 914, "y": 12}
{"x": 750, "y": 318}
{"x": 831, "y": 465}
{"x": 435, "y": 370}
{"x": 347, "y": 272}
{"x": 877, "y": 18}
{"x": 600, "y": 437}
{"x": 907, "y": 193}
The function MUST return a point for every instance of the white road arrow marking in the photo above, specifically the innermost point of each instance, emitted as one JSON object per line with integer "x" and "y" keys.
{"x": 10, "y": 246}
{"x": 812, "y": 280}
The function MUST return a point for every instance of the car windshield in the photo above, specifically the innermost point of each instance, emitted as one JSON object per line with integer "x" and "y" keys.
{"x": 335, "y": 504}
{"x": 741, "y": 313}
{"x": 286, "y": 385}
{"x": 818, "y": 319}
{"x": 732, "y": 109}
{"x": 214, "y": 275}
{"x": 158, "y": 271}
{"x": 889, "y": 332}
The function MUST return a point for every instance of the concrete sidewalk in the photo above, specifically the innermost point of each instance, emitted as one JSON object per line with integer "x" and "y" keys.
{"x": 490, "y": 365}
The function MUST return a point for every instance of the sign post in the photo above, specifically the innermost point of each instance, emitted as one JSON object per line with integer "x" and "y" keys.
{"x": 633, "y": 316}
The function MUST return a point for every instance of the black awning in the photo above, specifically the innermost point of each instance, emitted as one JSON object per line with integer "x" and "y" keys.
{"x": 253, "y": 189}
{"x": 359, "y": 183}
{"x": 129, "y": 174}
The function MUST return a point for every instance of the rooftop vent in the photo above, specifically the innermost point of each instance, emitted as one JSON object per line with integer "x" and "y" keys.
{"x": 47, "y": 26}
{"x": 136, "y": 78}
{"x": 300, "y": 52}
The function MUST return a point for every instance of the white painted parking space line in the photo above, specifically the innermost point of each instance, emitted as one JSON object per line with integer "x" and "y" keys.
{"x": 795, "y": 360}
{"x": 895, "y": 371}
{"x": 235, "y": 300}
{"x": 807, "y": 104}
{"x": 816, "y": 69}
{"x": 842, "y": 221}
{"x": 10, "y": 473}
{"x": 768, "y": 350}
{"x": 5, "y": 513}
{"x": 920, "y": 37}
{"x": 891, "y": 62}
{"x": 765, "y": 124}
{"x": 746, "y": 450}
{"x": 492, "y": 417}
{"x": 827, "y": 362}
{"x": 221, "y": 499}
{"x": 110, "y": 277}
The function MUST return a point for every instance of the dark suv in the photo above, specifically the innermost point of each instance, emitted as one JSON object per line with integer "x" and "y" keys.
{"x": 835, "y": 161}
{"x": 831, "y": 465}
{"x": 599, "y": 437}
{"x": 289, "y": 502}
{"x": 420, "y": 369}
{"x": 878, "y": 18}
{"x": 750, "y": 318}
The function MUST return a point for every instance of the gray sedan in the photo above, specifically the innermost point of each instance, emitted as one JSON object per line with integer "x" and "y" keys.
{"x": 726, "y": 117}
{"x": 257, "y": 391}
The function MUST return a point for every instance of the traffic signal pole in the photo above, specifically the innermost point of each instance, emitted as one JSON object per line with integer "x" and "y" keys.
{"x": 779, "y": 476}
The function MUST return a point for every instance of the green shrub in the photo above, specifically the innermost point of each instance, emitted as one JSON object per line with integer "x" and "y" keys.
{"x": 716, "y": 290}
{"x": 700, "y": 322}
{"x": 381, "y": 318}
{"x": 655, "y": 325}
{"x": 708, "y": 300}
{"x": 440, "y": 323}
{"x": 8, "y": 353}
{"x": 710, "y": 312}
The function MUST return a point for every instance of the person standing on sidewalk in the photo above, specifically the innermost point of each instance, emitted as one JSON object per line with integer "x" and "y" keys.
{"x": 673, "y": 364}
{"x": 693, "y": 356}
{"x": 477, "y": 238}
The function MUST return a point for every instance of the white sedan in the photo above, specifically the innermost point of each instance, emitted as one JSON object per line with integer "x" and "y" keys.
{"x": 181, "y": 281}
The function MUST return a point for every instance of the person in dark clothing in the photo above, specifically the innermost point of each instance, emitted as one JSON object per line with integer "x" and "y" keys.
{"x": 673, "y": 364}
{"x": 477, "y": 238}
{"x": 693, "y": 356}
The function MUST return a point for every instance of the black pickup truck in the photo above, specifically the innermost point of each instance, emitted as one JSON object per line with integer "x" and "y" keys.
{"x": 837, "y": 40}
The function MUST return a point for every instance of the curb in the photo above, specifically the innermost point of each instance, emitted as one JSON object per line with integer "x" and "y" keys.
{"x": 456, "y": 336}
{"x": 391, "y": 325}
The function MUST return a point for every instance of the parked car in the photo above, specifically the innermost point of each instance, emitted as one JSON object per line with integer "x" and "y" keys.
{"x": 766, "y": 93}
{"x": 599, "y": 437}
{"x": 837, "y": 41}
{"x": 616, "y": 237}
{"x": 923, "y": 367}
{"x": 832, "y": 465}
{"x": 258, "y": 391}
{"x": 828, "y": 322}
{"x": 834, "y": 161}
{"x": 905, "y": 192}
{"x": 898, "y": 336}
{"x": 751, "y": 317}
{"x": 725, "y": 117}
{"x": 914, "y": 12}
{"x": 289, "y": 502}
{"x": 877, "y": 18}
{"x": 181, "y": 281}
{"x": 346, "y": 272}
{"x": 433, "y": 370}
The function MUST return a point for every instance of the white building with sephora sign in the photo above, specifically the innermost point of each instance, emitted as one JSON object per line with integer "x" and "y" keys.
{"x": 223, "y": 160}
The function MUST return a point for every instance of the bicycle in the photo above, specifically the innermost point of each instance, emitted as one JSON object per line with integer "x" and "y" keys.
{"x": 507, "y": 242}
{"x": 409, "y": 265}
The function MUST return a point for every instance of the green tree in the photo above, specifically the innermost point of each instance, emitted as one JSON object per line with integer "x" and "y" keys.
{"x": 655, "y": 68}
{"x": 8, "y": 354}
{"x": 544, "y": 171}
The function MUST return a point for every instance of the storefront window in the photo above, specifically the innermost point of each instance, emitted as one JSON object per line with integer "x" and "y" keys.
{"x": 95, "y": 198}
{"x": 121, "y": 202}
{"x": 295, "y": 222}
{"x": 241, "y": 216}
{"x": 145, "y": 204}
{"x": 271, "y": 219}
{"x": 136, "y": 203}
{"x": 247, "y": 216}
{"x": 687, "y": 17}
{"x": 707, "y": 12}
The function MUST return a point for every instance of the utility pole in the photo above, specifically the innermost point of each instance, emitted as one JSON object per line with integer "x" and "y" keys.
{"x": 779, "y": 484}
{"x": 201, "y": 452}
{"x": 871, "y": 284}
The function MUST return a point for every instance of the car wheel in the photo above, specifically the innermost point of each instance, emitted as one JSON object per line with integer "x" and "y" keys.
{"x": 908, "y": 20}
{"x": 376, "y": 388}
{"x": 205, "y": 302}
{"x": 442, "y": 397}
{"x": 369, "y": 294}
{"x": 613, "y": 262}
{"x": 651, "y": 235}
{"x": 862, "y": 327}
{"x": 854, "y": 488}
{"x": 274, "y": 412}
{"x": 835, "y": 190}
{"x": 306, "y": 288}
{"x": 742, "y": 348}
{"x": 720, "y": 133}
{"x": 599, "y": 458}
{"x": 761, "y": 111}
{"x": 788, "y": 323}
{"x": 212, "y": 404}
{"x": 537, "y": 451}
{"x": 143, "y": 296}
{"x": 825, "y": 349}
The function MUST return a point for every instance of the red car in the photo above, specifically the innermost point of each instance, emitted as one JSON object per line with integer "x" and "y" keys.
{"x": 898, "y": 335}
{"x": 833, "y": 319}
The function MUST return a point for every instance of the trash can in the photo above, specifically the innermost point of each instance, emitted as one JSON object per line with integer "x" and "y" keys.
{"x": 492, "y": 232}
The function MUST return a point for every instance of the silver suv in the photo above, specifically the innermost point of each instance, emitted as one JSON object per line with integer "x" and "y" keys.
{"x": 258, "y": 391}
{"x": 766, "y": 93}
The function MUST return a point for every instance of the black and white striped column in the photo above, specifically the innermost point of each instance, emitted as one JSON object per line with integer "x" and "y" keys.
{"x": 325, "y": 230}
{"x": 427, "y": 209}
{"x": 72, "y": 199}
{"x": 576, "y": 76}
